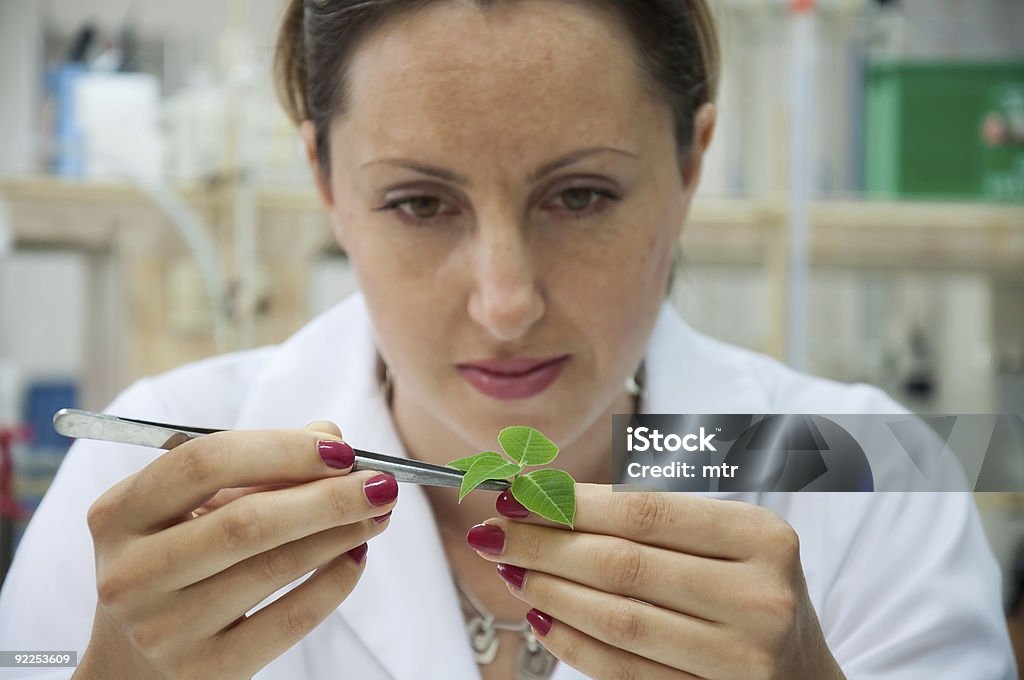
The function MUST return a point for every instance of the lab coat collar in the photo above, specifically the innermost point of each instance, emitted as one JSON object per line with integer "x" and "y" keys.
{"x": 689, "y": 372}
{"x": 328, "y": 371}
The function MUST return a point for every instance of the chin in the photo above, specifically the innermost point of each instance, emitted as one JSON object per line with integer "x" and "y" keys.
{"x": 555, "y": 420}
{"x": 559, "y": 411}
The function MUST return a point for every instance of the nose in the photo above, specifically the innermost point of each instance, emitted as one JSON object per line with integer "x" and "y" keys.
{"x": 507, "y": 298}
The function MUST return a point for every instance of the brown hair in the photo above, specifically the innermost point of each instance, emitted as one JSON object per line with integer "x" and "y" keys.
{"x": 676, "y": 39}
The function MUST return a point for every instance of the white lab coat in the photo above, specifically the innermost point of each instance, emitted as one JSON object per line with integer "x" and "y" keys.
{"x": 905, "y": 585}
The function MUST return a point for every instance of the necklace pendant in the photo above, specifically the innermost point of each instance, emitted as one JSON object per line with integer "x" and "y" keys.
{"x": 484, "y": 640}
{"x": 535, "y": 662}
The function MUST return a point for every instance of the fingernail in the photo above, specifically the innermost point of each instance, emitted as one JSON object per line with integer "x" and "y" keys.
{"x": 382, "y": 518}
{"x": 381, "y": 489}
{"x": 358, "y": 553}
{"x": 540, "y": 622}
{"x": 486, "y": 538}
{"x": 512, "y": 575}
{"x": 508, "y": 506}
{"x": 336, "y": 454}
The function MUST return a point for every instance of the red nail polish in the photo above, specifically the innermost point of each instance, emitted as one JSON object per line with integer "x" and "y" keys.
{"x": 540, "y": 622}
{"x": 358, "y": 553}
{"x": 382, "y": 518}
{"x": 336, "y": 454}
{"x": 487, "y": 539}
{"x": 512, "y": 575}
{"x": 381, "y": 489}
{"x": 508, "y": 506}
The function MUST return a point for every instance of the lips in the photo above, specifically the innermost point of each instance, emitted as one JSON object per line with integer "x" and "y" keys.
{"x": 516, "y": 378}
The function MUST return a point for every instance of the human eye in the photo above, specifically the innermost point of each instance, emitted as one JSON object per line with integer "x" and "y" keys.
{"x": 420, "y": 209}
{"x": 581, "y": 201}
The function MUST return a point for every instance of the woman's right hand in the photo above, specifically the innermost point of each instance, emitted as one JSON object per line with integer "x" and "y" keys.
{"x": 174, "y": 585}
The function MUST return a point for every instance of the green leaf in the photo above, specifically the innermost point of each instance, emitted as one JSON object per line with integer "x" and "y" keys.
{"x": 486, "y": 467}
{"x": 527, "y": 446}
{"x": 467, "y": 462}
{"x": 549, "y": 493}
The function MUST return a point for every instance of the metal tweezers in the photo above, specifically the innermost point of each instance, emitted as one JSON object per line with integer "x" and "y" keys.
{"x": 90, "y": 425}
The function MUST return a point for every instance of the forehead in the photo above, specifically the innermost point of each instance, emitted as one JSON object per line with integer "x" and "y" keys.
{"x": 515, "y": 73}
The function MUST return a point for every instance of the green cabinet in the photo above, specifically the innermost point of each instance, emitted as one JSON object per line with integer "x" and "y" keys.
{"x": 944, "y": 131}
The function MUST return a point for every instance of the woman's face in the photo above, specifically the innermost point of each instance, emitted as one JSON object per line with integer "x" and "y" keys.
{"x": 506, "y": 187}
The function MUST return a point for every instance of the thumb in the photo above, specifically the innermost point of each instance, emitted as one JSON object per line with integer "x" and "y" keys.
{"x": 324, "y": 426}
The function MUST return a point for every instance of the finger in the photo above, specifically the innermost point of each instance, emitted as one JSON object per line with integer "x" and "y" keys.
{"x": 710, "y": 527}
{"x": 698, "y": 586}
{"x": 190, "y": 474}
{"x": 265, "y": 635}
{"x": 222, "y": 598}
{"x": 596, "y": 659}
{"x": 325, "y": 426}
{"x": 637, "y": 513}
{"x": 192, "y": 551}
{"x": 225, "y": 496}
{"x": 508, "y": 507}
{"x": 668, "y": 638}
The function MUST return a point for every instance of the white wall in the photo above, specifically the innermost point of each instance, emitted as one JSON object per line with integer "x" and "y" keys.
{"x": 43, "y": 309}
{"x": 19, "y": 91}
{"x": 964, "y": 29}
{"x": 42, "y": 299}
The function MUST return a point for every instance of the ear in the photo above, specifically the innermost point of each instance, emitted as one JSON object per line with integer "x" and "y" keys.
{"x": 308, "y": 133}
{"x": 703, "y": 131}
{"x": 323, "y": 182}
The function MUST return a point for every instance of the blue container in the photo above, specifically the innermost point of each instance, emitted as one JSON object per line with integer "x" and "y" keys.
{"x": 69, "y": 151}
{"x": 42, "y": 400}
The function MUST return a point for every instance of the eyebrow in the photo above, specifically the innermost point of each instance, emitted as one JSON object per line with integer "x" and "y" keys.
{"x": 539, "y": 173}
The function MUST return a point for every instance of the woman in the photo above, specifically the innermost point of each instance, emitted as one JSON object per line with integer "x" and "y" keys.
{"x": 508, "y": 179}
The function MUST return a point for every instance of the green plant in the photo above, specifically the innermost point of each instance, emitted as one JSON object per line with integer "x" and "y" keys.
{"x": 549, "y": 493}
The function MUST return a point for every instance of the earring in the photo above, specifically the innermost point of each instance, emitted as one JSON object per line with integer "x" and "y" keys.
{"x": 386, "y": 381}
{"x": 636, "y": 384}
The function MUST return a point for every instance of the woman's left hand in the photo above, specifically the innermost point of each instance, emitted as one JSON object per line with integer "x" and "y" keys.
{"x": 661, "y": 585}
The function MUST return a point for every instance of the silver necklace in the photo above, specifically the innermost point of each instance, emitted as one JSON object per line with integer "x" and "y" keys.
{"x": 534, "y": 662}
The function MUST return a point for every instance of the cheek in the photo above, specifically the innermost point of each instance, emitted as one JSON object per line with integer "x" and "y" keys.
{"x": 403, "y": 321}
{"x": 389, "y": 286}
{"x": 615, "y": 291}
{"x": 404, "y": 274}
{"x": 628, "y": 270}
{"x": 405, "y": 296}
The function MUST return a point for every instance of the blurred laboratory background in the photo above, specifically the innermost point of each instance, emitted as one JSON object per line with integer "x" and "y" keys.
{"x": 861, "y": 215}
